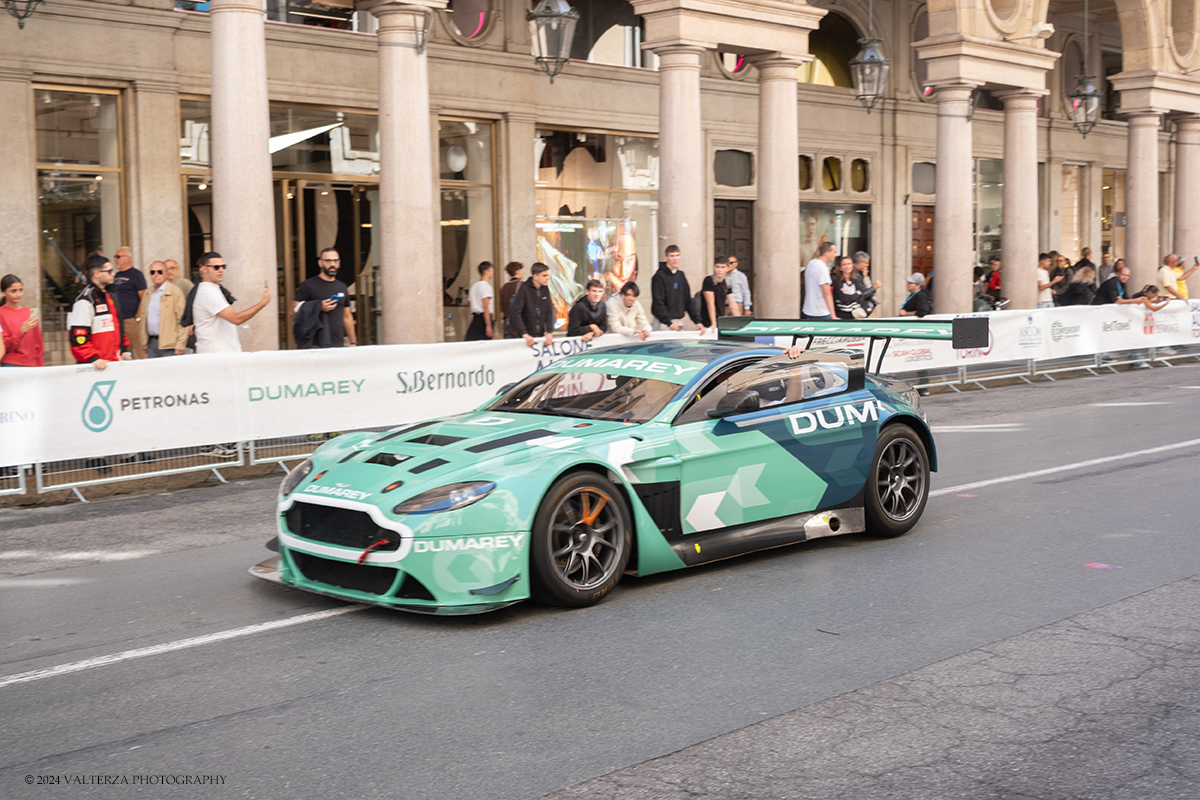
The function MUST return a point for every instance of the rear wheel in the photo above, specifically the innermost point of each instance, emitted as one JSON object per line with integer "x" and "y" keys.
{"x": 581, "y": 541}
{"x": 898, "y": 485}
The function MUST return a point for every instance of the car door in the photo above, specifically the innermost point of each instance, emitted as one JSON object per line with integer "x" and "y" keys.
{"x": 807, "y": 448}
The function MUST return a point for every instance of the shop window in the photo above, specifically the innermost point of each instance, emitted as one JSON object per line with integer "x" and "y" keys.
{"x": 924, "y": 177}
{"x": 847, "y": 226}
{"x": 466, "y": 170}
{"x": 308, "y": 140}
{"x": 831, "y": 174}
{"x": 806, "y": 173}
{"x": 80, "y": 175}
{"x": 733, "y": 168}
{"x": 832, "y": 45}
{"x": 597, "y": 207}
{"x": 988, "y": 208}
{"x": 860, "y": 175}
{"x": 1112, "y": 212}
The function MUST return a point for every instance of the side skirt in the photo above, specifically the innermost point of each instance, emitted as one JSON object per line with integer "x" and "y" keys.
{"x": 702, "y": 548}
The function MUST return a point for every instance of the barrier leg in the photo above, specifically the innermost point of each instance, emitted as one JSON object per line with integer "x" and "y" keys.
{"x": 220, "y": 477}
{"x": 79, "y": 494}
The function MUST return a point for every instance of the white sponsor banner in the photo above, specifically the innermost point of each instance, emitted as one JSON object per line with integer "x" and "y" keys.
{"x": 78, "y": 411}
{"x": 57, "y": 413}
{"x": 1050, "y": 333}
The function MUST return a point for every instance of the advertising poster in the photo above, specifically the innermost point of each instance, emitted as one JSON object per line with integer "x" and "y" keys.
{"x": 578, "y": 250}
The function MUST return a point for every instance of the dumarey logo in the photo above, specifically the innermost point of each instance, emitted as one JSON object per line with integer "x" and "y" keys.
{"x": 287, "y": 392}
{"x": 97, "y": 413}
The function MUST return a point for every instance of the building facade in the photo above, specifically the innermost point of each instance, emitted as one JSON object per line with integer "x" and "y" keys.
{"x": 270, "y": 129}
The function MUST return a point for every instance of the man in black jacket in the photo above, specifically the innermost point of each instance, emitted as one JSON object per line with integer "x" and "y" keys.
{"x": 531, "y": 311}
{"x": 1114, "y": 290}
{"x": 670, "y": 295}
{"x": 589, "y": 315}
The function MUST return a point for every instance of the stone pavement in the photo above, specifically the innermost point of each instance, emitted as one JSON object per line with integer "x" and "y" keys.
{"x": 1100, "y": 706}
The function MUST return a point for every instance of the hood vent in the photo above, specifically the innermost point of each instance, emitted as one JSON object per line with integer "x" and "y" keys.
{"x": 435, "y": 439}
{"x": 387, "y": 459}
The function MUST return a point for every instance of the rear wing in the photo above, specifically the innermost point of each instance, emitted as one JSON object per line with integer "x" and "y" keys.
{"x": 961, "y": 332}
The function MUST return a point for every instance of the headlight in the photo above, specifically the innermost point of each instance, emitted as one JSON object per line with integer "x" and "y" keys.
{"x": 295, "y": 476}
{"x": 446, "y": 498}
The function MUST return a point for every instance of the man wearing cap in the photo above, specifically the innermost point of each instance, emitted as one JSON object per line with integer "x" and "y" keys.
{"x": 918, "y": 303}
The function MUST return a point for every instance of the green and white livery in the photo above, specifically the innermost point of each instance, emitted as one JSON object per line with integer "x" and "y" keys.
{"x": 633, "y": 459}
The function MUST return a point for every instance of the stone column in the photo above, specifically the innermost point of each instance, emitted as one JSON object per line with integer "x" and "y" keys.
{"x": 777, "y": 209}
{"x": 1141, "y": 231}
{"x": 1187, "y": 195}
{"x": 518, "y": 210}
{"x": 953, "y": 254}
{"x": 20, "y": 245}
{"x": 410, "y": 266}
{"x": 1019, "y": 231}
{"x": 243, "y": 205}
{"x": 156, "y": 199}
{"x": 681, "y": 208}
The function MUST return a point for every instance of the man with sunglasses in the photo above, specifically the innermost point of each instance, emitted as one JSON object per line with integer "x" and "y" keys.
{"x": 95, "y": 321}
{"x": 158, "y": 328}
{"x": 212, "y": 309}
{"x": 128, "y": 289}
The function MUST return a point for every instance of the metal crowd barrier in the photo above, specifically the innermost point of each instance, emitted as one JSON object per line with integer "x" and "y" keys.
{"x": 79, "y": 473}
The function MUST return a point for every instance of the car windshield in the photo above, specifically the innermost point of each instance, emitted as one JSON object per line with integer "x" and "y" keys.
{"x": 588, "y": 395}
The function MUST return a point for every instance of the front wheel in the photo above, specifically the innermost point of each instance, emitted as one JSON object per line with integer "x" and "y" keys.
{"x": 898, "y": 484}
{"x": 581, "y": 541}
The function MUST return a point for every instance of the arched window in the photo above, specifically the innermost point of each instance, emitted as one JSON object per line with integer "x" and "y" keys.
{"x": 920, "y": 68}
{"x": 832, "y": 45}
{"x": 469, "y": 20}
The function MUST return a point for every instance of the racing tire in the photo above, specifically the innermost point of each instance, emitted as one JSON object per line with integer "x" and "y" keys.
{"x": 898, "y": 484}
{"x": 581, "y": 541}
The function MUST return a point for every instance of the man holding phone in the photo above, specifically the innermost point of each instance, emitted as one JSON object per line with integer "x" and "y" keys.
{"x": 321, "y": 307}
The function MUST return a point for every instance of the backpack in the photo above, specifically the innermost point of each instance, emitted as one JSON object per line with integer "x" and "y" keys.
{"x": 186, "y": 320}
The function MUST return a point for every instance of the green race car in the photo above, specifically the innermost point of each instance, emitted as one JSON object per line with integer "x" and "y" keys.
{"x": 637, "y": 459}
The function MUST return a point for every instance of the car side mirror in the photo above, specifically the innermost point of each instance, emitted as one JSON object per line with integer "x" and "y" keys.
{"x": 734, "y": 403}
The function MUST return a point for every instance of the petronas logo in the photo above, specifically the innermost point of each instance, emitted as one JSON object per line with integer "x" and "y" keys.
{"x": 97, "y": 413}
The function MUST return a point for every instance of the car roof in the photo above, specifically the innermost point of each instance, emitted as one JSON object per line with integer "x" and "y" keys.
{"x": 703, "y": 352}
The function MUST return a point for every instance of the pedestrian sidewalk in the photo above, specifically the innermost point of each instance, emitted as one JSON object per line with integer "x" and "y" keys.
{"x": 1100, "y": 706}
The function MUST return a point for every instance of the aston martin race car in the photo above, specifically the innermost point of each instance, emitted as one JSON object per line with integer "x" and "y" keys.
{"x": 633, "y": 459}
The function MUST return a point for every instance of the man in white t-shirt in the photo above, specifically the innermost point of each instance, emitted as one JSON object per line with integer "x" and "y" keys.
{"x": 481, "y": 297}
{"x": 818, "y": 288}
{"x": 215, "y": 320}
{"x": 1045, "y": 297}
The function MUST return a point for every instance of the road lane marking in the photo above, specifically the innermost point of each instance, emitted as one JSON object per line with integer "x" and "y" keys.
{"x": 1066, "y": 467}
{"x": 999, "y": 427}
{"x": 1127, "y": 405}
{"x": 170, "y": 647}
{"x": 79, "y": 555}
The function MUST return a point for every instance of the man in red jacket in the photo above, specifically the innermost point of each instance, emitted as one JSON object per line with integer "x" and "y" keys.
{"x": 95, "y": 321}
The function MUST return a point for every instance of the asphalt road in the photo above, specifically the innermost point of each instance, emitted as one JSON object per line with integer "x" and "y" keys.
{"x": 527, "y": 700}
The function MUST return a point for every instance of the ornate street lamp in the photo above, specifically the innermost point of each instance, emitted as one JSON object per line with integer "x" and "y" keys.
{"x": 21, "y": 9}
{"x": 1085, "y": 104}
{"x": 552, "y": 25}
{"x": 1085, "y": 100}
{"x": 870, "y": 67}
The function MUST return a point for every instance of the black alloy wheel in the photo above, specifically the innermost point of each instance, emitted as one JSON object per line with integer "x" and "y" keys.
{"x": 898, "y": 485}
{"x": 581, "y": 541}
